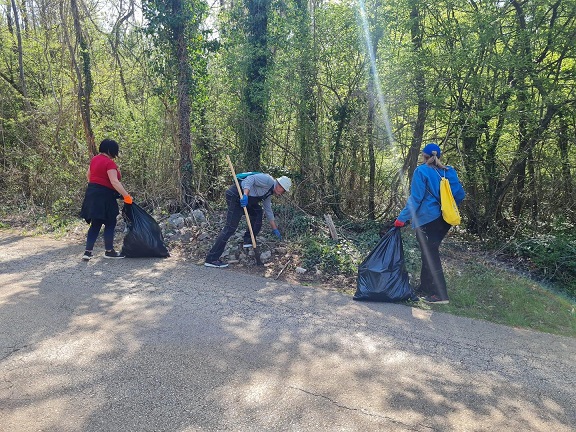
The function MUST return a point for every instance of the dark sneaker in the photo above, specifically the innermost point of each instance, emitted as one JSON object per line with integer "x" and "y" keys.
{"x": 433, "y": 299}
{"x": 421, "y": 291}
{"x": 87, "y": 256}
{"x": 216, "y": 264}
{"x": 113, "y": 254}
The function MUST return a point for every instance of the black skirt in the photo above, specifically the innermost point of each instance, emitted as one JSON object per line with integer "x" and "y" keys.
{"x": 100, "y": 203}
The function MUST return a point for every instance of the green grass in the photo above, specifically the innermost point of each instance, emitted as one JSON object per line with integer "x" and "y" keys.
{"x": 491, "y": 294}
{"x": 478, "y": 286}
{"x": 482, "y": 289}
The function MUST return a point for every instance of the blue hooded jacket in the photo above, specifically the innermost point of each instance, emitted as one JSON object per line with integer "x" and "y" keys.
{"x": 423, "y": 205}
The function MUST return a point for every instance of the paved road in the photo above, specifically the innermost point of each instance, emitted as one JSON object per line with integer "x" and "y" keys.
{"x": 165, "y": 345}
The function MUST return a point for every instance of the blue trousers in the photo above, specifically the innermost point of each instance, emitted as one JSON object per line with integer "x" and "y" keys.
{"x": 233, "y": 216}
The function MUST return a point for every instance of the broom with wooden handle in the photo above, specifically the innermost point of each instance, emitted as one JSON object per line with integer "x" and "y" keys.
{"x": 241, "y": 194}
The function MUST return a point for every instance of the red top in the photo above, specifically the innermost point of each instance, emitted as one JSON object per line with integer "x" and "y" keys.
{"x": 99, "y": 166}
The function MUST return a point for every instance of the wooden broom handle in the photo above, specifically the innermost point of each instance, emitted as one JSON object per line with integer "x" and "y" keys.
{"x": 241, "y": 195}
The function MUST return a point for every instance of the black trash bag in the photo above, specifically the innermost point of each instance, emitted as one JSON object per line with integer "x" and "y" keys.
{"x": 144, "y": 237}
{"x": 382, "y": 276}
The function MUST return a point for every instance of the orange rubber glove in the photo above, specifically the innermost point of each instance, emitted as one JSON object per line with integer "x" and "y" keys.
{"x": 128, "y": 199}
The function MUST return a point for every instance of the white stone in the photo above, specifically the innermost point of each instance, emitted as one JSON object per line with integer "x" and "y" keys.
{"x": 198, "y": 216}
{"x": 176, "y": 220}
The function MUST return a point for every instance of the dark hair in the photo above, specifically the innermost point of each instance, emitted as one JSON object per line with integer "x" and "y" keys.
{"x": 110, "y": 147}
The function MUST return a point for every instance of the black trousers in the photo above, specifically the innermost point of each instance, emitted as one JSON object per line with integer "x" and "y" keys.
{"x": 233, "y": 216}
{"x": 429, "y": 238}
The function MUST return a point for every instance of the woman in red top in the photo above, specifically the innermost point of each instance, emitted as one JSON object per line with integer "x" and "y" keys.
{"x": 100, "y": 206}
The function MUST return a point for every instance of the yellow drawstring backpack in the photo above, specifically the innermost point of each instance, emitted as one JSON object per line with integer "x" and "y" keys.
{"x": 450, "y": 211}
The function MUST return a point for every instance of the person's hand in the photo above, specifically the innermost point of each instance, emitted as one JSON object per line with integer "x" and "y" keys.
{"x": 276, "y": 232}
{"x": 128, "y": 199}
{"x": 244, "y": 200}
{"x": 399, "y": 223}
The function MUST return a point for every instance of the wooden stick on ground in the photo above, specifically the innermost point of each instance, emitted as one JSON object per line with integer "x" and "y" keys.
{"x": 283, "y": 268}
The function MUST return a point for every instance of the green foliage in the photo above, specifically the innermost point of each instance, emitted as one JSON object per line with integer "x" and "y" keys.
{"x": 301, "y": 225}
{"x": 297, "y": 224}
{"x": 332, "y": 257}
{"x": 412, "y": 256}
{"x": 366, "y": 234}
{"x": 552, "y": 256}
{"x": 165, "y": 20}
{"x": 55, "y": 222}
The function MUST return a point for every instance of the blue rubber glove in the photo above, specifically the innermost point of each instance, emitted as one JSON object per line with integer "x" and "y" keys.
{"x": 244, "y": 200}
{"x": 276, "y": 232}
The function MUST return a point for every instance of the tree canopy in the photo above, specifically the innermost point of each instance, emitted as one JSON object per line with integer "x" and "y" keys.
{"x": 340, "y": 95}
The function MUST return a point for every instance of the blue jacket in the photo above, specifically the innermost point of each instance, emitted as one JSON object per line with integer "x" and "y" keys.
{"x": 423, "y": 205}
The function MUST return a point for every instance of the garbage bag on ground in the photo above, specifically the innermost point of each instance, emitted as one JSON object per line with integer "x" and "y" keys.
{"x": 382, "y": 276}
{"x": 144, "y": 237}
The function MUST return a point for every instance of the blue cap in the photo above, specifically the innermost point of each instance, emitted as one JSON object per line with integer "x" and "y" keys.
{"x": 432, "y": 147}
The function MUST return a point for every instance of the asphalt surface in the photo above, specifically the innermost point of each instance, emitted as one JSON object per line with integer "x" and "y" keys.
{"x": 166, "y": 345}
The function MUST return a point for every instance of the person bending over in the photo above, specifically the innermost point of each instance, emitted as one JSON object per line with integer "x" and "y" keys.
{"x": 258, "y": 190}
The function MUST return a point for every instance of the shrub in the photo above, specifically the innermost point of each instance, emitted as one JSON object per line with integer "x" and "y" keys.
{"x": 296, "y": 223}
{"x": 553, "y": 257}
{"x": 332, "y": 257}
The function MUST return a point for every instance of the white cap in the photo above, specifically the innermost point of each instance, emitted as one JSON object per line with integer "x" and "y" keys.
{"x": 285, "y": 182}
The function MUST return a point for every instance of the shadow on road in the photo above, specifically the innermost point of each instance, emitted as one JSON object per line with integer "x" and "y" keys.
{"x": 151, "y": 344}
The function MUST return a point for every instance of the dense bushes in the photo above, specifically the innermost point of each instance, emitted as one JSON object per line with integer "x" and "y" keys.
{"x": 330, "y": 256}
{"x": 552, "y": 257}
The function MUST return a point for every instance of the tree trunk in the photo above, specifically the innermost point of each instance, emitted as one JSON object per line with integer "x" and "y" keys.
{"x": 84, "y": 77}
{"x": 534, "y": 190}
{"x": 307, "y": 116}
{"x": 23, "y": 88}
{"x": 114, "y": 43}
{"x": 184, "y": 82}
{"x": 341, "y": 119}
{"x": 9, "y": 22}
{"x": 420, "y": 88}
{"x": 529, "y": 129}
{"x": 255, "y": 95}
{"x": 371, "y": 153}
{"x": 518, "y": 201}
{"x": 566, "y": 188}
{"x": 209, "y": 158}
{"x": 372, "y": 45}
{"x": 517, "y": 164}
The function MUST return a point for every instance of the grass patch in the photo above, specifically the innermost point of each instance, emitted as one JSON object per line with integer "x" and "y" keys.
{"x": 478, "y": 288}
{"x": 491, "y": 294}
